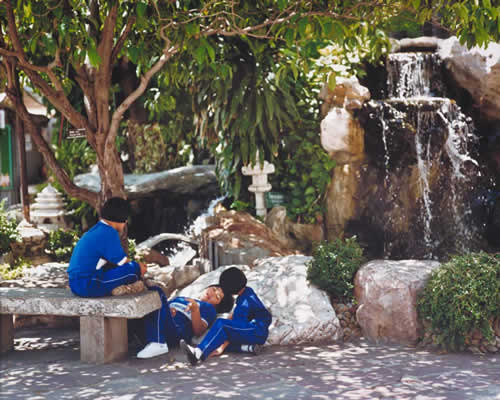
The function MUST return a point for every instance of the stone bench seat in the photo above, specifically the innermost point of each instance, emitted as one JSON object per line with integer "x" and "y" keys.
{"x": 103, "y": 320}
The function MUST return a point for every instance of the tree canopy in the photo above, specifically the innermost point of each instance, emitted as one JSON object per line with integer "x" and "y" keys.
{"x": 240, "y": 60}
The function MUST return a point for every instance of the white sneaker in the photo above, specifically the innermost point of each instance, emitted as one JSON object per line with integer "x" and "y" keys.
{"x": 153, "y": 349}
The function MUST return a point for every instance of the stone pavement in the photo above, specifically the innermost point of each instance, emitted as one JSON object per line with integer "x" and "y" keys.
{"x": 46, "y": 365}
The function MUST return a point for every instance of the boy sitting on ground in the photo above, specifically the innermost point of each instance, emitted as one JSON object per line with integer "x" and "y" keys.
{"x": 100, "y": 246}
{"x": 245, "y": 331}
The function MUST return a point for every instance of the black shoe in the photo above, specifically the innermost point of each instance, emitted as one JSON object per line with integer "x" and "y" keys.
{"x": 189, "y": 352}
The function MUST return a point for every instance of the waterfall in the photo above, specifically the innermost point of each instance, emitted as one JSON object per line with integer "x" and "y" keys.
{"x": 419, "y": 139}
{"x": 410, "y": 75}
{"x": 423, "y": 162}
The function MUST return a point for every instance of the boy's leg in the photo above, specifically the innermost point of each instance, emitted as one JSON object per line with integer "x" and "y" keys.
{"x": 235, "y": 332}
{"x": 160, "y": 326}
{"x": 104, "y": 281}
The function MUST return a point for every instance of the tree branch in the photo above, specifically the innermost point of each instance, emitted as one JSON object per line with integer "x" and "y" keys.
{"x": 123, "y": 36}
{"x": 168, "y": 52}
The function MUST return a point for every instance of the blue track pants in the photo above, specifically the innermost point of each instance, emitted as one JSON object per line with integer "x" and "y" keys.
{"x": 160, "y": 325}
{"x": 237, "y": 332}
{"x": 102, "y": 282}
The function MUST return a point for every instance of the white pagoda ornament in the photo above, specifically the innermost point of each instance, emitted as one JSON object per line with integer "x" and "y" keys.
{"x": 259, "y": 184}
{"x": 48, "y": 210}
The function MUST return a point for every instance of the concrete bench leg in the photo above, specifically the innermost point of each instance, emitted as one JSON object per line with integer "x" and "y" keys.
{"x": 102, "y": 339}
{"x": 6, "y": 332}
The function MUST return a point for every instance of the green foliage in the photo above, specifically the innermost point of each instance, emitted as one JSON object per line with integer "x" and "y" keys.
{"x": 14, "y": 271}
{"x": 132, "y": 248}
{"x": 461, "y": 296}
{"x": 156, "y": 147}
{"x": 303, "y": 173}
{"x": 404, "y": 23}
{"x": 8, "y": 230}
{"x": 237, "y": 113}
{"x": 61, "y": 243}
{"x": 74, "y": 155}
{"x": 334, "y": 266}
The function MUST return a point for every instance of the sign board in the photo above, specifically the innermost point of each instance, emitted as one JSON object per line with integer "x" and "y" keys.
{"x": 6, "y": 174}
{"x": 274, "y": 199}
{"x": 76, "y": 133}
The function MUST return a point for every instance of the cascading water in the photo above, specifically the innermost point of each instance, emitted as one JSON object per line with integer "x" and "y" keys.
{"x": 428, "y": 172}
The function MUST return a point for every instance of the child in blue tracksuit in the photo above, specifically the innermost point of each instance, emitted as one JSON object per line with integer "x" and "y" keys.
{"x": 248, "y": 327}
{"x": 101, "y": 246}
{"x": 182, "y": 318}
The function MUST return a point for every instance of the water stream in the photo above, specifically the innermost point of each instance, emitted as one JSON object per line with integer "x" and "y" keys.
{"x": 428, "y": 168}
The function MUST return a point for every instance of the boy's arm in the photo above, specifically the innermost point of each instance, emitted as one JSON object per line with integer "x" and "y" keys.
{"x": 199, "y": 326}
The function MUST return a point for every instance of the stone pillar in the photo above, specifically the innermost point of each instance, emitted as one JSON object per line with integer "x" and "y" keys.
{"x": 103, "y": 339}
{"x": 6, "y": 333}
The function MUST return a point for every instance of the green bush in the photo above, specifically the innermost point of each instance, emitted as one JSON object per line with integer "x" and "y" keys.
{"x": 8, "y": 230}
{"x": 334, "y": 265}
{"x": 61, "y": 243}
{"x": 461, "y": 296}
{"x": 14, "y": 271}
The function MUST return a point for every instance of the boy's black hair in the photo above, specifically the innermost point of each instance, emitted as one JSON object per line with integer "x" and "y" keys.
{"x": 115, "y": 209}
{"x": 232, "y": 280}
{"x": 226, "y": 303}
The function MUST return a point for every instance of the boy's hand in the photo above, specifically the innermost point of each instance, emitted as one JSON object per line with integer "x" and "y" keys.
{"x": 144, "y": 268}
{"x": 193, "y": 305}
{"x": 173, "y": 311}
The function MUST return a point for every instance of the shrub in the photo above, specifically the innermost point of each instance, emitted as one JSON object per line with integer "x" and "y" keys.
{"x": 461, "y": 296}
{"x": 8, "y": 230}
{"x": 61, "y": 243}
{"x": 14, "y": 271}
{"x": 334, "y": 265}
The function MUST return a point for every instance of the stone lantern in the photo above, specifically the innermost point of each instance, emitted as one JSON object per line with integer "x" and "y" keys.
{"x": 259, "y": 184}
{"x": 48, "y": 210}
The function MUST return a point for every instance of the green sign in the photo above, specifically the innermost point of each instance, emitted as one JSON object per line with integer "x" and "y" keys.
{"x": 274, "y": 199}
{"x": 6, "y": 176}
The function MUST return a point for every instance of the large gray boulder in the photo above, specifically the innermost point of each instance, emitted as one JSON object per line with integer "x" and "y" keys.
{"x": 182, "y": 180}
{"x": 387, "y": 292}
{"x": 301, "y": 312}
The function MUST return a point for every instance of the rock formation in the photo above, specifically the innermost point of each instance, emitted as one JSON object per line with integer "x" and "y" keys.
{"x": 386, "y": 292}
{"x": 301, "y": 312}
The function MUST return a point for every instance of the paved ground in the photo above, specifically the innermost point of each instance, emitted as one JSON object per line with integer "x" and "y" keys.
{"x": 45, "y": 365}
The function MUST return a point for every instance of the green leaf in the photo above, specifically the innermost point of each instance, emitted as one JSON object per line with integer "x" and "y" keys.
{"x": 211, "y": 52}
{"x": 289, "y": 36}
{"x": 416, "y": 4}
{"x": 282, "y": 4}
{"x": 133, "y": 54}
{"x": 331, "y": 80}
{"x": 141, "y": 9}
{"x": 193, "y": 28}
{"x": 94, "y": 57}
{"x": 200, "y": 54}
{"x": 310, "y": 190}
{"x": 244, "y": 149}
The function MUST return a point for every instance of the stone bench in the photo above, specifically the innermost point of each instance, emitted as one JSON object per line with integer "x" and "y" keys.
{"x": 103, "y": 320}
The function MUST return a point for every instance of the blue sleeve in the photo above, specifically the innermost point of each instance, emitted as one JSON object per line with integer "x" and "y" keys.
{"x": 112, "y": 248}
{"x": 242, "y": 311}
{"x": 207, "y": 313}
